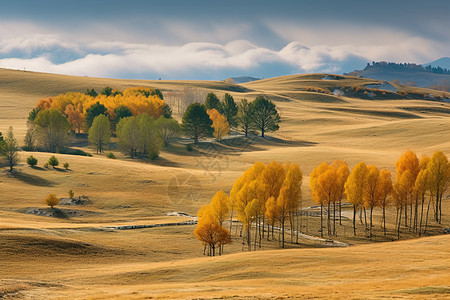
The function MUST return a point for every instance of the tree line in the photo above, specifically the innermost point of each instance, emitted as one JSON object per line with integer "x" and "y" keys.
{"x": 268, "y": 197}
{"x": 116, "y": 113}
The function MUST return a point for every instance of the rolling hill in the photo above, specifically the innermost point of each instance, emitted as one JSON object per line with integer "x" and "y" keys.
{"x": 324, "y": 117}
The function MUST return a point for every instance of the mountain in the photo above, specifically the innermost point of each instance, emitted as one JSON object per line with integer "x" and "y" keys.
{"x": 443, "y": 62}
{"x": 241, "y": 79}
{"x": 430, "y": 76}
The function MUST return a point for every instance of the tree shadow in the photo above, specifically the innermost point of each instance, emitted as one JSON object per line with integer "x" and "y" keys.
{"x": 38, "y": 168}
{"x": 31, "y": 179}
{"x": 61, "y": 170}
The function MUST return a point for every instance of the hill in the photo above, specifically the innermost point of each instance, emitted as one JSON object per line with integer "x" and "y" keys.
{"x": 443, "y": 62}
{"x": 408, "y": 74}
{"x": 88, "y": 252}
{"x": 241, "y": 79}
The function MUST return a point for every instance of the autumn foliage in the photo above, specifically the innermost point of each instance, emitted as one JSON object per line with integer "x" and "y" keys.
{"x": 220, "y": 124}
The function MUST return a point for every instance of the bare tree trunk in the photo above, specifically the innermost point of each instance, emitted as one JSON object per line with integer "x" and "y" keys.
{"x": 340, "y": 211}
{"x": 354, "y": 219}
{"x": 421, "y": 216}
{"x": 321, "y": 220}
{"x": 384, "y": 218}
{"x": 399, "y": 222}
{"x": 334, "y": 218}
{"x": 231, "y": 220}
{"x": 371, "y": 213}
{"x": 426, "y": 220}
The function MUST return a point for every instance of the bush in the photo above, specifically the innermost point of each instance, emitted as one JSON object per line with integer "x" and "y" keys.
{"x": 153, "y": 155}
{"x": 71, "y": 194}
{"x": 32, "y": 161}
{"x": 46, "y": 165}
{"x": 111, "y": 155}
{"x": 66, "y": 165}
{"x": 53, "y": 161}
{"x": 189, "y": 147}
{"x": 52, "y": 200}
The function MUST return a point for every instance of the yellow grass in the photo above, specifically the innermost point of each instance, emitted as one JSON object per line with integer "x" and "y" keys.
{"x": 80, "y": 257}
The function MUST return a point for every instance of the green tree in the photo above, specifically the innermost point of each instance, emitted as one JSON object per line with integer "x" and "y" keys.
{"x": 93, "y": 111}
{"x": 91, "y": 92}
{"x": 138, "y": 136}
{"x": 52, "y": 129}
{"x": 32, "y": 161}
{"x": 265, "y": 115}
{"x": 196, "y": 122}
{"x": 106, "y": 91}
{"x": 168, "y": 129}
{"x": 53, "y": 161}
{"x": 244, "y": 117}
{"x": 9, "y": 149}
{"x": 33, "y": 114}
{"x": 167, "y": 111}
{"x": 229, "y": 109}
{"x": 100, "y": 133}
{"x": 213, "y": 102}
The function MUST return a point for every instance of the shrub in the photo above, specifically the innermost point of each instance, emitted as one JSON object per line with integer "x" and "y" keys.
{"x": 111, "y": 155}
{"x": 71, "y": 193}
{"x": 53, "y": 161}
{"x": 52, "y": 200}
{"x": 32, "y": 161}
{"x": 153, "y": 155}
{"x": 189, "y": 147}
{"x": 46, "y": 165}
{"x": 66, "y": 165}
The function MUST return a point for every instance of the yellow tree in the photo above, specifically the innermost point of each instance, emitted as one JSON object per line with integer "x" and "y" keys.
{"x": 245, "y": 205}
{"x": 219, "y": 206}
{"x": 209, "y": 231}
{"x": 371, "y": 192}
{"x": 249, "y": 175}
{"x": 343, "y": 173}
{"x": 402, "y": 187}
{"x": 220, "y": 124}
{"x": 408, "y": 162}
{"x": 354, "y": 188}
{"x": 316, "y": 190}
{"x": 272, "y": 179}
{"x": 439, "y": 170}
{"x": 75, "y": 117}
{"x": 51, "y": 200}
{"x": 272, "y": 213}
{"x": 385, "y": 190}
{"x": 421, "y": 186}
{"x": 289, "y": 197}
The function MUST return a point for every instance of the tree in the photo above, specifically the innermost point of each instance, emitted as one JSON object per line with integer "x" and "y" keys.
{"x": 439, "y": 172}
{"x": 289, "y": 198}
{"x": 342, "y": 173}
{"x": 219, "y": 206}
{"x": 402, "y": 192}
{"x": 91, "y": 92}
{"x": 53, "y": 161}
{"x": 138, "y": 136}
{"x": 244, "y": 117}
{"x": 168, "y": 129}
{"x": 316, "y": 190}
{"x": 265, "y": 115}
{"x": 371, "y": 195}
{"x": 32, "y": 161}
{"x": 213, "y": 102}
{"x": 93, "y": 111}
{"x": 385, "y": 190}
{"x": 167, "y": 111}
{"x": 220, "y": 124}
{"x": 52, "y": 200}
{"x": 106, "y": 91}
{"x": 9, "y": 149}
{"x": 33, "y": 114}
{"x": 66, "y": 165}
{"x": 30, "y": 139}
{"x": 354, "y": 188}
{"x": 196, "y": 122}
{"x": 229, "y": 109}
{"x": 75, "y": 117}
{"x": 210, "y": 232}
{"x": 408, "y": 162}
{"x": 52, "y": 129}
{"x": 100, "y": 133}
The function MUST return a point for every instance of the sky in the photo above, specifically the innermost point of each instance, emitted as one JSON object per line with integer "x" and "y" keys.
{"x": 215, "y": 40}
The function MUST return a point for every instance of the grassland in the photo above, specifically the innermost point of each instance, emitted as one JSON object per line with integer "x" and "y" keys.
{"x": 83, "y": 257}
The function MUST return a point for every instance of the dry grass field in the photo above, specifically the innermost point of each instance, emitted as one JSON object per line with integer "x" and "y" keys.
{"x": 84, "y": 256}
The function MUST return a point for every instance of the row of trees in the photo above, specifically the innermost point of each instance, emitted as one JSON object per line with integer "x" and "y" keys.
{"x": 263, "y": 193}
{"x": 367, "y": 187}
{"x": 268, "y": 197}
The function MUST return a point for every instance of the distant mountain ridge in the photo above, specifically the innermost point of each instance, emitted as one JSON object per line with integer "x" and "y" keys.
{"x": 430, "y": 75}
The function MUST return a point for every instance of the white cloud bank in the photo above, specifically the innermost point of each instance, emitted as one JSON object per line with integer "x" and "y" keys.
{"x": 48, "y": 53}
